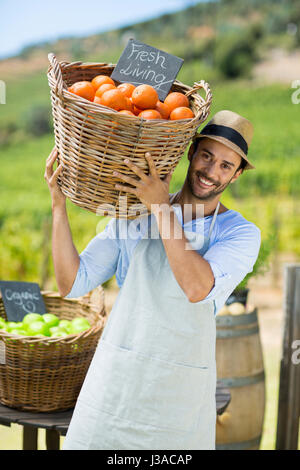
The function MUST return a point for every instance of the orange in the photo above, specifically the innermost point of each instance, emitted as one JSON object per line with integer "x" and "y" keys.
{"x": 100, "y": 80}
{"x": 181, "y": 113}
{"x": 129, "y": 105}
{"x": 97, "y": 100}
{"x": 114, "y": 99}
{"x": 163, "y": 109}
{"x": 125, "y": 111}
{"x": 150, "y": 114}
{"x": 136, "y": 110}
{"x": 126, "y": 88}
{"x": 176, "y": 100}
{"x": 144, "y": 96}
{"x": 83, "y": 89}
{"x": 103, "y": 88}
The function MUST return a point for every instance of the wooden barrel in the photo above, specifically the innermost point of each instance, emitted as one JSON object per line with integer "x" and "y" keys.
{"x": 240, "y": 367}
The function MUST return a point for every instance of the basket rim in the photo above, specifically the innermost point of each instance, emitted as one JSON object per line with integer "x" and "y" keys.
{"x": 69, "y": 339}
{"x": 97, "y": 108}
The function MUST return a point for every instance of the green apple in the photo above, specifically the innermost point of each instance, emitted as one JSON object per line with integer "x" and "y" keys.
{"x": 58, "y": 331}
{"x": 37, "y": 328}
{"x": 66, "y": 324}
{"x": 79, "y": 324}
{"x": 50, "y": 319}
{"x": 12, "y": 325}
{"x": 18, "y": 331}
{"x": 2, "y": 323}
{"x": 61, "y": 334}
{"x": 31, "y": 317}
{"x": 9, "y": 325}
{"x": 81, "y": 321}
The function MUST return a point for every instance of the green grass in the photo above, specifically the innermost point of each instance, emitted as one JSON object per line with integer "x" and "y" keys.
{"x": 272, "y": 357}
{"x": 11, "y": 438}
{"x": 26, "y": 205}
{"x": 23, "y": 93}
{"x": 272, "y": 371}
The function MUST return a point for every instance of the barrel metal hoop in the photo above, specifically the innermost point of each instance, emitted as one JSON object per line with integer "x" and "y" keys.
{"x": 233, "y": 382}
{"x": 243, "y": 319}
{"x": 244, "y": 445}
{"x": 237, "y": 333}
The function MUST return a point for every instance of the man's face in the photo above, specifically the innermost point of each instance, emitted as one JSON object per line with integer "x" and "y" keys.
{"x": 212, "y": 168}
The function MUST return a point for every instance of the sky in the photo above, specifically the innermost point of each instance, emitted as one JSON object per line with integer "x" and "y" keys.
{"x": 26, "y": 22}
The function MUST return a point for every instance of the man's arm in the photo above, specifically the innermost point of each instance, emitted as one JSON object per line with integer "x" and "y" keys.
{"x": 65, "y": 256}
{"x": 78, "y": 274}
{"x": 233, "y": 255}
{"x": 225, "y": 263}
{"x": 192, "y": 272}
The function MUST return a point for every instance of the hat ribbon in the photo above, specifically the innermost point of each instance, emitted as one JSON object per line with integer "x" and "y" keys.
{"x": 228, "y": 133}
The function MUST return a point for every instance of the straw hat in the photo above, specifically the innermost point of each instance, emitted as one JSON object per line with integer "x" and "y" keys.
{"x": 230, "y": 129}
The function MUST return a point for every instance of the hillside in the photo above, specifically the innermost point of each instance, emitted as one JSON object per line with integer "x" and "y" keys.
{"x": 224, "y": 40}
{"x": 207, "y": 32}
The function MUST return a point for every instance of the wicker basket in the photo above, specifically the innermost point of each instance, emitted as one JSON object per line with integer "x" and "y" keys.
{"x": 93, "y": 140}
{"x": 45, "y": 374}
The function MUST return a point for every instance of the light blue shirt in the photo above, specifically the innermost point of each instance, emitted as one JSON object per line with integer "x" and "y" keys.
{"x": 233, "y": 249}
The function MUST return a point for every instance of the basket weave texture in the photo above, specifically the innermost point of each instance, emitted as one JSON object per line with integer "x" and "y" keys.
{"x": 45, "y": 374}
{"x": 93, "y": 140}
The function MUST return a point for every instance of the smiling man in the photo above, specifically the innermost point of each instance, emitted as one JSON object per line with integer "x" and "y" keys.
{"x": 152, "y": 381}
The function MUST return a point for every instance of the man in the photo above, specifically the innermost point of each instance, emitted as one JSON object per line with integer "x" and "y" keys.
{"x": 151, "y": 383}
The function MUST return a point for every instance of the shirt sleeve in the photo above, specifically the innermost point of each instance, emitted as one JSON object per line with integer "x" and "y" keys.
{"x": 98, "y": 261}
{"x": 232, "y": 258}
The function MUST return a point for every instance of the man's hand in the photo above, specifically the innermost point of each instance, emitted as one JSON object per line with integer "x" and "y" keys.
{"x": 58, "y": 198}
{"x": 150, "y": 189}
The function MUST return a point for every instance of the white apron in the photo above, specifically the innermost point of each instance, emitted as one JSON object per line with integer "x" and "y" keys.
{"x": 152, "y": 381}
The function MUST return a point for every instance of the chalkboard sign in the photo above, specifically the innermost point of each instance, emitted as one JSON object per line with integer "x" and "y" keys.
{"x": 20, "y": 298}
{"x": 140, "y": 63}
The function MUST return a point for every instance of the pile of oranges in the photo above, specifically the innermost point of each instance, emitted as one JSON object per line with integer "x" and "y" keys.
{"x": 141, "y": 101}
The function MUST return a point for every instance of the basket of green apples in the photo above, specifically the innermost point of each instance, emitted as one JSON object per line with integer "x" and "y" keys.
{"x": 44, "y": 358}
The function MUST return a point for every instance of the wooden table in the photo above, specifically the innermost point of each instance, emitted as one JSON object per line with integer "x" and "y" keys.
{"x": 57, "y": 423}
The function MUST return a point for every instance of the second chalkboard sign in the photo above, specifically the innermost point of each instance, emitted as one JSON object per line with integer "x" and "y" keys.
{"x": 142, "y": 64}
{"x": 20, "y": 298}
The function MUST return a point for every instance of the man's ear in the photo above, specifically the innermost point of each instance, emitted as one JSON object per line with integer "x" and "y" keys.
{"x": 193, "y": 148}
{"x": 236, "y": 175}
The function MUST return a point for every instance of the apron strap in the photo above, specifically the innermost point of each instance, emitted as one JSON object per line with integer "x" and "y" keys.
{"x": 213, "y": 220}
